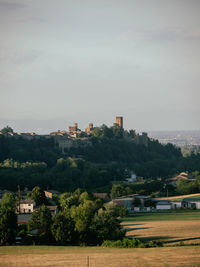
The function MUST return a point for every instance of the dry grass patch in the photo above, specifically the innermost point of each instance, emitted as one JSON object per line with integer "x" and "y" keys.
{"x": 169, "y": 232}
{"x": 99, "y": 257}
{"x": 180, "y": 197}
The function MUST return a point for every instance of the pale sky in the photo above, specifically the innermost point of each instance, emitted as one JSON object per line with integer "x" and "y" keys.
{"x": 66, "y": 61}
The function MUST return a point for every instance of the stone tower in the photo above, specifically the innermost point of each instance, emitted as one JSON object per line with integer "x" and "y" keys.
{"x": 119, "y": 121}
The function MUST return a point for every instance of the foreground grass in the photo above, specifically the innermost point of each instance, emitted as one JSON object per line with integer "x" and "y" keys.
{"x": 29, "y": 256}
{"x": 166, "y": 216}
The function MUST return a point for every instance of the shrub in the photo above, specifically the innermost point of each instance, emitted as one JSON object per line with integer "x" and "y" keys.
{"x": 130, "y": 243}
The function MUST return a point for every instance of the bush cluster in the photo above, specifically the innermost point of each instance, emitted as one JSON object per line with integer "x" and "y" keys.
{"x": 131, "y": 243}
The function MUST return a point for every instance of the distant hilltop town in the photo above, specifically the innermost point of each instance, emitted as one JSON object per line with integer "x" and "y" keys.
{"x": 75, "y": 132}
{"x": 75, "y": 137}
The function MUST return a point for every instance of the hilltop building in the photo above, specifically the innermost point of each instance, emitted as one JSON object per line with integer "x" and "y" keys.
{"x": 119, "y": 121}
{"x": 60, "y": 133}
{"x": 89, "y": 129}
{"x": 76, "y": 138}
{"x": 74, "y": 131}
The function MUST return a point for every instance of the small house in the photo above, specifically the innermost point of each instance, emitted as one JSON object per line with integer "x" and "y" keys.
{"x": 50, "y": 193}
{"x": 53, "y": 210}
{"x": 25, "y": 206}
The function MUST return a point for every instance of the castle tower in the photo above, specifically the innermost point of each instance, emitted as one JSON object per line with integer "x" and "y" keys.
{"x": 90, "y": 125}
{"x": 89, "y": 129}
{"x": 119, "y": 121}
{"x": 75, "y": 126}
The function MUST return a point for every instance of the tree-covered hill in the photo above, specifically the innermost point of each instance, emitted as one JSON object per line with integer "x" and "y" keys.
{"x": 113, "y": 153}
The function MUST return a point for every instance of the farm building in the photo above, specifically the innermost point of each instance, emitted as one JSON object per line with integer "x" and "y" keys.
{"x": 124, "y": 201}
{"x": 191, "y": 203}
{"x": 176, "y": 204}
{"x": 133, "y": 202}
{"x": 163, "y": 205}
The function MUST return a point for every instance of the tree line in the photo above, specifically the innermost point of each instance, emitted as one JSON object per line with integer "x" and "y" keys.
{"x": 82, "y": 220}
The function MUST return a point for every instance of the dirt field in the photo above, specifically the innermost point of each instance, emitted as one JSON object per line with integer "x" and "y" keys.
{"x": 98, "y": 257}
{"x": 170, "y": 232}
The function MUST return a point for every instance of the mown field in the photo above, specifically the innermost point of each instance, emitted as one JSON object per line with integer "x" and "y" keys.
{"x": 164, "y": 216}
{"x": 98, "y": 256}
{"x": 169, "y": 227}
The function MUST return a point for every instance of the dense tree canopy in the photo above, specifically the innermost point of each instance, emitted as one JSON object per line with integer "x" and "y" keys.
{"x": 39, "y": 161}
{"x": 41, "y": 220}
{"x": 87, "y": 221}
{"x": 8, "y": 219}
{"x": 38, "y": 195}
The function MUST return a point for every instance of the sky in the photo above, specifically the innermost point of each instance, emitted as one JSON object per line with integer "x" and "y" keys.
{"x": 85, "y": 61}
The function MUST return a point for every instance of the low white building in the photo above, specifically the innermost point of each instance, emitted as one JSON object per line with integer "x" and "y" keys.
{"x": 176, "y": 204}
{"x": 191, "y": 203}
{"x": 132, "y": 178}
{"x": 163, "y": 205}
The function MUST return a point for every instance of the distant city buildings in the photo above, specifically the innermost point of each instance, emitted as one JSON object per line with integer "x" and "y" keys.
{"x": 178, "y": 138}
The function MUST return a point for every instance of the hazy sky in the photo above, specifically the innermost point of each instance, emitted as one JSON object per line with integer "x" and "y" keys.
{"x": 66, "y": 61}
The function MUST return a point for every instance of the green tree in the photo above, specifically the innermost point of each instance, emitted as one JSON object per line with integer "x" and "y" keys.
{"x": 41, "y": 221}
{"x": 105, "y": 226}
{"x": 63, "y": 228}
{"x": 117, "y": 131}
{"x": 84, "y": 196}
{"x": 8, "y": 201}
{"x": 7, "y": 130}
{"x": 117, "y": 191}
{"x": 115, "y": 210}
{"x": 82, "y": 216}
{"x": 8, "y": 219}
{"x": 38, "y": 195}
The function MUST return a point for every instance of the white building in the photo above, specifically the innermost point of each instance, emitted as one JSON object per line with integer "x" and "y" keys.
{"x": 25, "y": 206}
{"x": 163, "y": 205}
{"x": 191, "y": 203}
{"x": 176, "y": 204}
{"x": 133, "y": 178}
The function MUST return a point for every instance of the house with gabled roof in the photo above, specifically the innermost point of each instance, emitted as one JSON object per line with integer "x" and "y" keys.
{"x": 25, "y": 206}
{"x": 50, "y": 193}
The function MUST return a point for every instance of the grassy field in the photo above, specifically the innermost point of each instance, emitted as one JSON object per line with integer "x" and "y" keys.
{"x": 169, "y": 232}
{"x": 168, "y": 215}
{"x": 98, "y": 257}
{"x": 169, "y": 227}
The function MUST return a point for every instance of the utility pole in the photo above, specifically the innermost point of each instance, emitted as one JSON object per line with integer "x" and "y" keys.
{"x": 19, "y": 196}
